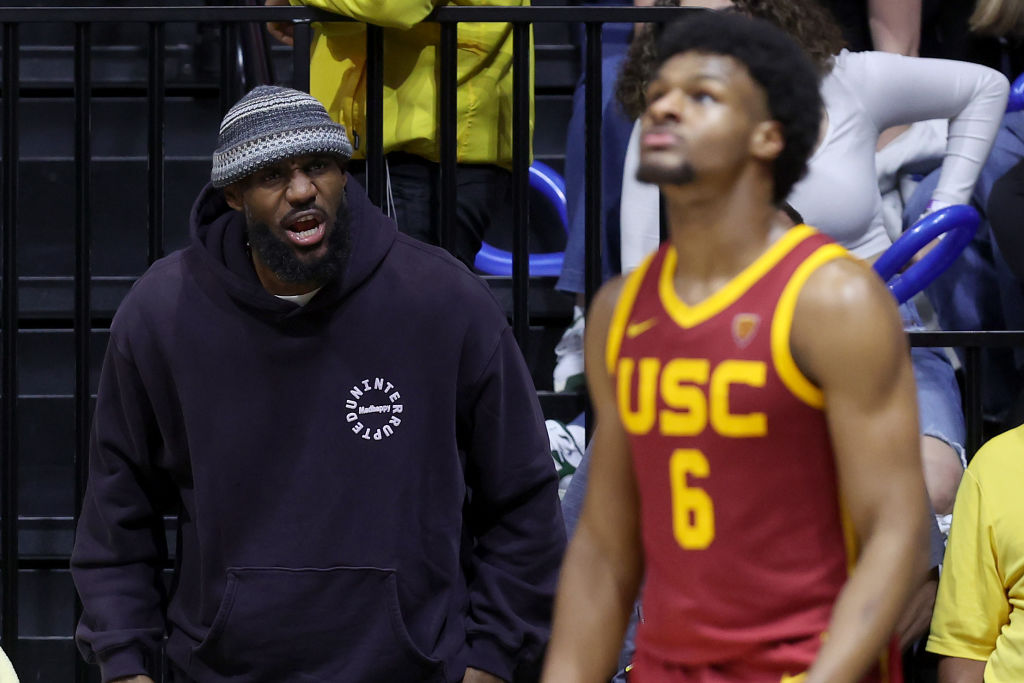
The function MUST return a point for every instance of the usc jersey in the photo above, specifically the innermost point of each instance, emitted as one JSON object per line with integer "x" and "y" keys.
{"x": 744, "y": 540}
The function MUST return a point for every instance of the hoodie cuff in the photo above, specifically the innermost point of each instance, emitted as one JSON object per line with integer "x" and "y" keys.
{"x": 488, "y": 656}
{"x": 121, "y": 662}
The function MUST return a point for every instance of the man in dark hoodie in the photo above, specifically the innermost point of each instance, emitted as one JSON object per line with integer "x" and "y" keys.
{"x": 343, "y": 425}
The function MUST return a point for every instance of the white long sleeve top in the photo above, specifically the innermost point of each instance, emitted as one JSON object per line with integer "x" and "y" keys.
{"x": 865, "y": 93}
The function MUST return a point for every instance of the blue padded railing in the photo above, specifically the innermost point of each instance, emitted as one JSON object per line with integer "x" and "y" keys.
{"x": 550, "y": 184}
{"x": 957, "y": 223}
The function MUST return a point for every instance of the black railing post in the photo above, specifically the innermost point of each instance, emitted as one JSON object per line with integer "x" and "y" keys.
{"x": 155, "y": 96}
{"x": 228, "y": 65}
{"x": 303, "y": 35}
{"x": 9, "y": 351}
{"x": 592, "y": 161}
{"x": 374, "y": 142}
{"x": 447, "y": 131}
{"x": 972, "y": 404}
{"x": 522, "y": 97}
{"x": 82, "y": 277}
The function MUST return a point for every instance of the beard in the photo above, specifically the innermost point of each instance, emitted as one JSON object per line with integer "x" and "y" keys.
{"x": 283, "y": 259}
{"x": 680, "y": 174}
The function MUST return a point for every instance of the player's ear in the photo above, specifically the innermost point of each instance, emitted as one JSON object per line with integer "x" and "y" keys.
{"x": 233, "y": 195}
{"x": 766, "y": 141}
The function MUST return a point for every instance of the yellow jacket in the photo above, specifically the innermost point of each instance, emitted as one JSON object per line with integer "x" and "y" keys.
{"x": 411, "y": 55}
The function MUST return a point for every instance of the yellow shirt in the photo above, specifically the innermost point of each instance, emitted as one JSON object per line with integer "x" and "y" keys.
{"x": 483, "y": 78}
{"x": 978, "y": 613}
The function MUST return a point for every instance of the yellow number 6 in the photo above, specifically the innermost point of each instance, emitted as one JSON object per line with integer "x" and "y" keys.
{"x": 693, "y": 515}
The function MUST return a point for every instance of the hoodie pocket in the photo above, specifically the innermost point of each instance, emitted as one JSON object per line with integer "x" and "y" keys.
{"x": 330, "y": 625}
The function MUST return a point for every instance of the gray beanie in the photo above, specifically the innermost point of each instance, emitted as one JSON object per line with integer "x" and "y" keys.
{"x": 270, "y": 124}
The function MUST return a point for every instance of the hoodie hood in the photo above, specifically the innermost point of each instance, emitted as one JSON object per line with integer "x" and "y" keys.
{"x": 219, "y": 249}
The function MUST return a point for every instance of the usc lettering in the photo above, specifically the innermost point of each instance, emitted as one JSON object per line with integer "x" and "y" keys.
{"x": 694, "y": 395}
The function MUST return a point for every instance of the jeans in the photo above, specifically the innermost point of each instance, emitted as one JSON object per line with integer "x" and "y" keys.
{"x": 483, "y": 200}
{"x": 938, "y": 394}
{"x": 615, "y": 130}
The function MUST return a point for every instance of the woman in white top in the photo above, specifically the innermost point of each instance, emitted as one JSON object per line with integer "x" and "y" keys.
{"x": 864, "y": 93}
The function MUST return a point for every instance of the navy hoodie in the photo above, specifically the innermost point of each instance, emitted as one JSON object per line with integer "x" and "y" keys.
{"x": 363, "y": 485}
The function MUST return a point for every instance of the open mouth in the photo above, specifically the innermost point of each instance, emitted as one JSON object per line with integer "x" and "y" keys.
{"x": 307, "y": 230}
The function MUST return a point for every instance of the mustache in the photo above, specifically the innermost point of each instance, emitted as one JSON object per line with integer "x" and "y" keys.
{"x": 312, "y": 206}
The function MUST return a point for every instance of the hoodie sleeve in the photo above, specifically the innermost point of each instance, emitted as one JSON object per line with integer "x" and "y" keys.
{"x": 514, "y": 515}
{"x": 119, "y": 544}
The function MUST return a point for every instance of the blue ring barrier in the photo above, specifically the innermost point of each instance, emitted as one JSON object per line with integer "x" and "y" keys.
{"x": 494, "y": 261}
{"x": 958, "y": 222}
{"x": 1015, "y": 102}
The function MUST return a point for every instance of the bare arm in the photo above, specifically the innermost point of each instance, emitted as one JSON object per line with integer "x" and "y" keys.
{"x": 959, "y": 670}
{"x": 895, "y": 26}
{"x": 284, "y": 31}
{"x": 603, "y": 566}
{"x": 847, "y": 338}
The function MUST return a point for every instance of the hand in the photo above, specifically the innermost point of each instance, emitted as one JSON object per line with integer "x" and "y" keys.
{"x": 284, "y": 31}
{"x": 917, "y": 615}
{"x": 477, "y": 676}
{"x": 133, "y": 679}
{"x": 933, "y": 206}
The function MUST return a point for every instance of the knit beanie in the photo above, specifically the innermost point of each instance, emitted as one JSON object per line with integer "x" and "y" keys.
{"x": 270, "y": 124}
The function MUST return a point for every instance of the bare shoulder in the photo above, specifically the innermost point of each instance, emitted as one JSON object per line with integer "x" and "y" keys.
{"x": 845, "y": 316}
{"x": 847, "y": 292}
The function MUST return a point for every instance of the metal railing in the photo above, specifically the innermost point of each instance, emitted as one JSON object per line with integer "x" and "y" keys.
{"x": 228, "y": 19}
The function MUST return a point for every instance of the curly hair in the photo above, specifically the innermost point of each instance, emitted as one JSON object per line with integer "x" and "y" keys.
{"x": 810, "y": 24}
{"x": 776, "y": 63}
{"x": 807, "y": 21}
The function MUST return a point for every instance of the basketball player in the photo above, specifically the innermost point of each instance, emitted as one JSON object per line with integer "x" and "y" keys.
{"x": 755, "y": 459}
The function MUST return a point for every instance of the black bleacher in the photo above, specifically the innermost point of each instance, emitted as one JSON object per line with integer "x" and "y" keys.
{"x": 118, "y": 219}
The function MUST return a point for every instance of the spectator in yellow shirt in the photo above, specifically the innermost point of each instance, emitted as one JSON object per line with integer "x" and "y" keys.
{"x": 978, "y": 623}
{"x": 411, "y": 126}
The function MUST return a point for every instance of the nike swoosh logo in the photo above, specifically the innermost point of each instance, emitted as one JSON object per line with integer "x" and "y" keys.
{"x": 636, "y": 329}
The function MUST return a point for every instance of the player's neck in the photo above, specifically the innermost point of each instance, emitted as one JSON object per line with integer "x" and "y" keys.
{"x": 718, "y": 234}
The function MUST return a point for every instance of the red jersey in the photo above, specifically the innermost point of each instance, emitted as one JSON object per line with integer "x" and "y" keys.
{"x": 744, "y": 542}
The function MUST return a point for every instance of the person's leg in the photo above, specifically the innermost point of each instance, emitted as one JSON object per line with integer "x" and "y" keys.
{"x": 941, "y": 420}
{"x": 411, "y": 189}
{"x": 484, "y": 202}
{"x": 615, "y": 130}
{"x": 572, "y": 278}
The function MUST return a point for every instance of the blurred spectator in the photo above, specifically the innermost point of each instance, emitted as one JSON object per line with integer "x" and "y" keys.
{"x": 997, "y": 35}
{"x": 615, "y": 38}
{"x": 976, "y": 627}
{"x": 983, "y": 289}
{"x": 484, "y": 110}
{"x": 980, "y": 291}
{"x": 885, "y": 25}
